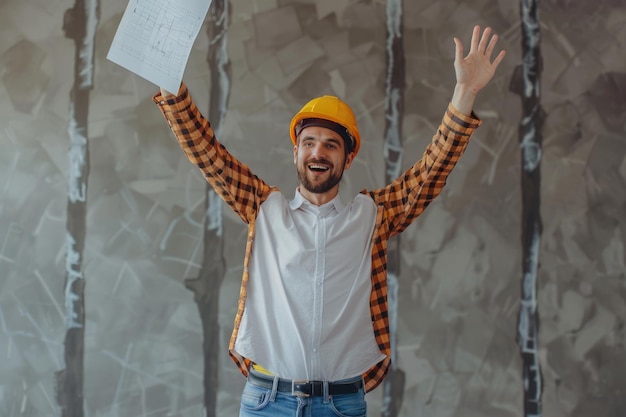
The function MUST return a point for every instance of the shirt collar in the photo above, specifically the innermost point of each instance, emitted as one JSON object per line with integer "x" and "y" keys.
{"x": 300, "y": 202}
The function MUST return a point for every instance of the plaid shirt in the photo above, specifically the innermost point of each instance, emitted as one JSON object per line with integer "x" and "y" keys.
{"x": 399, "y": 203}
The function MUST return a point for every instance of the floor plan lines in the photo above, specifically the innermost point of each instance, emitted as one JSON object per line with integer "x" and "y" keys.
{"x": 155, "y": 37}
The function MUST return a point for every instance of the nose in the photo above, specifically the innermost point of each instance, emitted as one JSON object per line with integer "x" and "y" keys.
{"x": 318, "y": 149}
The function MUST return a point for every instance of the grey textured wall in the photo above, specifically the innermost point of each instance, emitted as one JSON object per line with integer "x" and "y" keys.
{"x": 461, "y": 259}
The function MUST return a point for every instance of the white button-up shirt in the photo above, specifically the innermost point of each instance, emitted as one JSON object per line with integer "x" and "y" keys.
{"x": 307, "y": 309}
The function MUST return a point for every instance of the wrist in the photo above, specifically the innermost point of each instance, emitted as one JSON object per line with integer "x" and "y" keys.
{"x": 463, "y": 99}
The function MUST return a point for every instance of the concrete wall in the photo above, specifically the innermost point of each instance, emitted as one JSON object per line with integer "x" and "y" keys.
{"x": 461, "y": 260}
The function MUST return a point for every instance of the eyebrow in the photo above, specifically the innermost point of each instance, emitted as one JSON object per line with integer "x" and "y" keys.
{"x": 324, "y": 139}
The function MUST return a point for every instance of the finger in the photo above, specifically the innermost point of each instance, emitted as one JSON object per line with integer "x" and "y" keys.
{"x": 458, "y": 56}
{"x": 498, "y": 59}
{"x": 475, "y": 38}
{"x": 482, "y": 46}
{"x": 491, "y": 46}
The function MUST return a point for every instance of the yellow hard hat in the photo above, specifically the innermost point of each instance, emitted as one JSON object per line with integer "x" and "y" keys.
{"x": 327, "y": 108}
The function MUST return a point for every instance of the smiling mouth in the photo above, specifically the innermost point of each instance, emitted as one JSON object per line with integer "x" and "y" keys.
{"x": 318, "y": 168}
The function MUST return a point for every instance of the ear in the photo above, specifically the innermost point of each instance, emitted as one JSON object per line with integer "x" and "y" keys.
{"x": 295, "y": 154}
{"x": 349, "y": 160}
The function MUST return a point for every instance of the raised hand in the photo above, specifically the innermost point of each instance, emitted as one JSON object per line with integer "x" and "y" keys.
{"x": 474, "y": 71}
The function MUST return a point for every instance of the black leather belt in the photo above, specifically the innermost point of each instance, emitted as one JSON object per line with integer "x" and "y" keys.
{"x": 306, "y": 388}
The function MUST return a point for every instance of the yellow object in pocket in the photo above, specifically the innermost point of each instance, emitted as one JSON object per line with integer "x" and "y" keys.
{"x": 261, "y": 369}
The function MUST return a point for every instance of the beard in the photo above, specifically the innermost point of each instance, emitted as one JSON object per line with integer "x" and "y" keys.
{"x": 318, "y": 187}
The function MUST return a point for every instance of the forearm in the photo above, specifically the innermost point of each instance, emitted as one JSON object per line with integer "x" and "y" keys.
{"x": 408, "y": 196}
{"x": 192, "y": 131}
{"x": 232, "y": 180}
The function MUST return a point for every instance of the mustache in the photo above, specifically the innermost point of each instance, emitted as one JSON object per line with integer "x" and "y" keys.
{"x": 322, "y": 161}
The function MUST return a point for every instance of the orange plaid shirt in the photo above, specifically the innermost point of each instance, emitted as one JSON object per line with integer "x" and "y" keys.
{"x": 399, "y": 203}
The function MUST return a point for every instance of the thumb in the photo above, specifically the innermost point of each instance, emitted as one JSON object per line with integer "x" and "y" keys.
{"x": 458, "y": 56}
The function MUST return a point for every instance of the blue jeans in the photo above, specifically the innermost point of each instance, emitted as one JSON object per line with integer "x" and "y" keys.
{"x": 257, "y": 401}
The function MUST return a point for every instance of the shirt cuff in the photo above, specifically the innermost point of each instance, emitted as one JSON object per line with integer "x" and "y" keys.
{"x": 173, "y": 103}
{"x": 460, "y": 121}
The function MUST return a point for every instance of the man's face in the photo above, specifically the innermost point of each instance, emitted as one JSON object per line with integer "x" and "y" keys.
{"x": 320, "y": 159}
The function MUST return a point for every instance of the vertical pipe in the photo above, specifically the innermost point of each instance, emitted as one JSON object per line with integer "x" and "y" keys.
{"x": 394, "y": 111}
{"x": 207, "y": 286}
{"x": 80, "y": 24}
{"x": 530, "y": 131}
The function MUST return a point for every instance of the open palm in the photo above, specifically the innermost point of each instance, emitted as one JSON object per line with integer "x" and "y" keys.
{"x": 476, "y": 69}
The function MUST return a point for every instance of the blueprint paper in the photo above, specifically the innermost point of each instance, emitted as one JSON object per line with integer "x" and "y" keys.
{"x": 155, "y": 37}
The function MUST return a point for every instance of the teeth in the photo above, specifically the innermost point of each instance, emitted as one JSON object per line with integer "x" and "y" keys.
{"x": 318, "y": 167}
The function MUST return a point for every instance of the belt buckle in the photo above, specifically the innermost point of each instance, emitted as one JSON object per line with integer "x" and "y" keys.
{"x": 297, "y": 386}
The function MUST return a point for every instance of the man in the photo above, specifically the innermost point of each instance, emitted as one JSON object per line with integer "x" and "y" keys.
{"x": 311, "y": 331}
